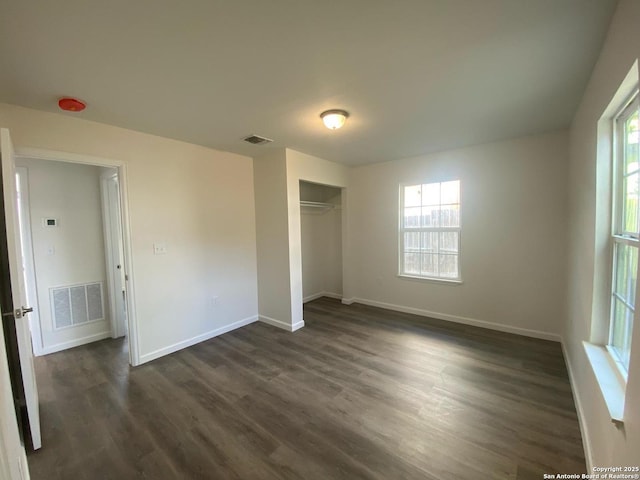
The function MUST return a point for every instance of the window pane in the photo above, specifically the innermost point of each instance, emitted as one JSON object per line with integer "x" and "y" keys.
{"x": 412, "y": 241}
{"x": 431, "y": 216}
{"x": 449, "y": 266}
{"x": 619, "y": 325}
{"x": 631, "y": 143}
{"x": 450, "y": 192}
{"x": 450, "y": 216}
{"x": 431, "y": 221}
{"x": 626, "y": 262}
{"x": 412, "y": 217}
{"x": 630, "y": 204}
{"x": 412, "y": 263}
{"x": 621, "y": 331}
{"x": 412, "y": 197}
{"x": 430, "y": 242}
{"x": 431, "y": 194}
{"x": 449, "y": 242}
{"x": 430, "y": 265}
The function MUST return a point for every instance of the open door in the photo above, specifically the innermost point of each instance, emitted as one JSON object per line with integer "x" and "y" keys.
{"x": 18, "y": 289}
{"x": 114, "y": 250}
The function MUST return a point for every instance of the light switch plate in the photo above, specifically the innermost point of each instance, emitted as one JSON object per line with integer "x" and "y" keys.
{"x": 159, "y": 248}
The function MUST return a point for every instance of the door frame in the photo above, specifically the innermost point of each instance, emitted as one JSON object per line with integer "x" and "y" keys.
{"x": 57, "y": 156}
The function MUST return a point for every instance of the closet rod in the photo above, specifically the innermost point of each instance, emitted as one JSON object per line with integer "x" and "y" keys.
{"x": 304, "y": 203}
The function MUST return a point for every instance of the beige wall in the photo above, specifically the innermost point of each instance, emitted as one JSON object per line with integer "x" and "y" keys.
{"x": 196, "y": 200}
{"x": 272, "y": 229}
{"x": 512, "y": 240}
{"x": 607, "y": 445}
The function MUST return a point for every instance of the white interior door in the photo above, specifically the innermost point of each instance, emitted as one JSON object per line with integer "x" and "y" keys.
{"x": 115, "y": 254}
{"x": 18, "y": 288}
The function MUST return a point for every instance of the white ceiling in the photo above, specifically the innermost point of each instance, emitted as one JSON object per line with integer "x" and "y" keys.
{"x": 417, "y": 76}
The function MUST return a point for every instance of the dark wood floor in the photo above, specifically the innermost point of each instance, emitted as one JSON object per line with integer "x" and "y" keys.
{"x": 358, "y": 393}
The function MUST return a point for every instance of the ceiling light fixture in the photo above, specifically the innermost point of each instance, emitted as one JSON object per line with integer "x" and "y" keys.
{"x": 70, "y": 104}
{"x": 334, "y": 119}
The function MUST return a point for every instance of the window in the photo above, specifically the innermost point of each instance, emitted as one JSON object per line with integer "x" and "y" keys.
{"x": 429, "y": 241}
{"x": 625, "y": 233}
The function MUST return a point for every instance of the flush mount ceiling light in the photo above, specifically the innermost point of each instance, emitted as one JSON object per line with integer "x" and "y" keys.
{"x": 70, "y": 104}
{"x": 334, "y": 119}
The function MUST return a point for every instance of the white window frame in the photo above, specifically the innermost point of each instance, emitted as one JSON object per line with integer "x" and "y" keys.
{"x": 402, "y": 229}
{"x": 618, "y": 236}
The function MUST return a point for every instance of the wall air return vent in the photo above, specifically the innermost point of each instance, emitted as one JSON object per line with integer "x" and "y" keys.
{"x": 77, "y": 304}
{"x": 257, "y": 140}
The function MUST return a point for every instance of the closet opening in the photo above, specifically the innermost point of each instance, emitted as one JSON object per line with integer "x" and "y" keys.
{"x": 321, "y": 240}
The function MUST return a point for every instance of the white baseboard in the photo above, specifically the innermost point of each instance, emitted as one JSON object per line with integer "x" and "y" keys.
{"x": 315, "y": 296}
{"x": 458, "y": 319}
{"x": 297, "y": 326}
{"x": 586, "y": 443}
{"x": 58, "y": 347}
{"x": 280, "y": 324}
{"x": 161, "y": 352}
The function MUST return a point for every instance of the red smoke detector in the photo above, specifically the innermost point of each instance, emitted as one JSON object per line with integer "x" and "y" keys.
{"x": 71, "y": 104}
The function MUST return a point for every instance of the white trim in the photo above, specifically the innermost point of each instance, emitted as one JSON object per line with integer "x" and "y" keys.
{"x": 348, "y": 301}
{"x": 315, "y": 296}
{"x": 442, "y": 281}
{"x": 459, "y": 319}
{"x": 280, "y": 324}
{"x": 58, "y": 347}
{"x": 45, "y": 154}
{"x": 582, "y": 422}
{"x": 161, "y": 352}
{"x": 24, "y": 466}
{"x": 610, "y": 382}
{"x": 41, "y": 154}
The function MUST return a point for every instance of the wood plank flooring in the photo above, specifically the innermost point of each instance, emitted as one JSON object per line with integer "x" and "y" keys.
{"x": 359, "y": 393}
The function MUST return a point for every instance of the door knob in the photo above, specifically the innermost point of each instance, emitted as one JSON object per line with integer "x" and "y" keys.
{"x": 19, "y": 312}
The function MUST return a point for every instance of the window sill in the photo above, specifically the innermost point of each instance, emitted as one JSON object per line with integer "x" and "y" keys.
{"x": 442, "y": 281}
{"x": 610, "y": 381}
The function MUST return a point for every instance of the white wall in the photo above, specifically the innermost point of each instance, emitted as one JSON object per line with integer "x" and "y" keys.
{"x": 270, "y": 183}
{"x": 607, "y": 444}
{"x": 312, "y": 255}
{"x": 196, "y": 200}
{"x": 69, "y": 193}
{"x": 321, "y": 235}
{"x": 512, "y": 240}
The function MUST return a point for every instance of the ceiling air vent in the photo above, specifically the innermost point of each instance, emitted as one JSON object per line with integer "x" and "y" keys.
{"x": 257, "y": 140}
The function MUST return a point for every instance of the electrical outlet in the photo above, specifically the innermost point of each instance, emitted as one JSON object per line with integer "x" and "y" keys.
{"x": 159, "y": 248}
{"x": 215, "y": 300}
{"x": 51, "y": 250}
